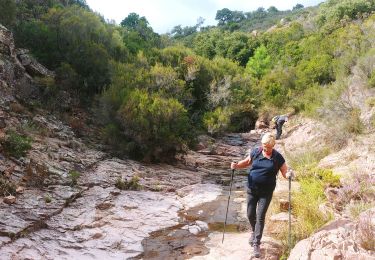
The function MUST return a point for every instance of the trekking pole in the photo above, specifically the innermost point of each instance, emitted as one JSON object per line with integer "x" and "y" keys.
{"x": 290, "y": 218}
{"x": 226, "y": 215}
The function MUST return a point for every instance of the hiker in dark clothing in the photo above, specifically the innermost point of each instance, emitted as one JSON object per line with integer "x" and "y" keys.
{"x": 279, "y": 121}
{"x": 265, "y": 163}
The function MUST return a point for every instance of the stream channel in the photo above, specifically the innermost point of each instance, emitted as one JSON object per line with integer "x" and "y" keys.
{"x": 188, "y": 238}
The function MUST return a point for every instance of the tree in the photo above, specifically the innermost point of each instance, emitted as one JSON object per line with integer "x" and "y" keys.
{"x": 179, "y": 32}
{"x": 259, "y": 13}
{"x": 134, "y": 21}
{"x": 80, "y": 3}
{"x": 272, "y": 10}
{"x": 260, "y": 63}
{"x": 8, "y": 12}
{"x": 138, "y": 35}
{"x": 297, "y": 7}
{"x": 224, "y": 16}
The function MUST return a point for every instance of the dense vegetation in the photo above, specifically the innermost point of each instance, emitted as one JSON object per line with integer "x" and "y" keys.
{"x": 153, "y": 93}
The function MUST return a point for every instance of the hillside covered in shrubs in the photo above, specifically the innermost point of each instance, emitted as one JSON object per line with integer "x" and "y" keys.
{"x": 150, "y": 95}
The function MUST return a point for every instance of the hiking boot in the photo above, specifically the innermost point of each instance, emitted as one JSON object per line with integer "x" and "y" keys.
{"x": 251, "y": 239}
{"x": 256, "y": 251}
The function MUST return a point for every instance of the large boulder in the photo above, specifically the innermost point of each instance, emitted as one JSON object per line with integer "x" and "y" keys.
{"x": 33, "y": 68}
{"x": 339, "y": 239}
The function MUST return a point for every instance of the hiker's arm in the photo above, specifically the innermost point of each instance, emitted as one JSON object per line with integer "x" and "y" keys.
{"x": 283, "y": 170}
{"x": 241, "y": 164}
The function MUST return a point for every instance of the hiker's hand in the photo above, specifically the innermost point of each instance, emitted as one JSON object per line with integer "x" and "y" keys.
{"x": 290, "y": 174}
{"x": 233, "y": 165}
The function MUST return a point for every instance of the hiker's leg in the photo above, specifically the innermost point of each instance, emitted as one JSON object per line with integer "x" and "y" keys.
{"x": 252, "y": 201}
{"x": 278, "y": 131}
{"x": 281, "y": 128}
{"x": 264, "y": 202}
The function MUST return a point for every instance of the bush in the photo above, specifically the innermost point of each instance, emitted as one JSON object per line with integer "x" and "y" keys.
{"x": 359, "y": 187}
{"x": 356, "y": 208}
{"x": 366, "y": 230}
{"x": 305, "y": 206}
{"x": 353, "y": 123}
{"x": 316, "y": 70}
{"x": 325, "y": 176}
{"x": 217, "y": 121}
{"x": 371, "y": 80}
{"x": 332, "y": 12}
{"x": 74, "y": 176}
{"x": 7, "y": 187}
{"x": 9, "y": 10}
{"x": 370, "y": 101}
{"x": 133, "y": 184}
{"x": 260, "y": 63}
{"x": 159, "y": 127}
{"x": 307, "y": 159}
{"x": 47, "y": 198}
{"x": 16, "y": 145}
{"x": 277, "y": 87}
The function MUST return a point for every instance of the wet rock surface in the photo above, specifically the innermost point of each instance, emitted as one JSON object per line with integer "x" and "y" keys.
{"x": 101, "y": 224}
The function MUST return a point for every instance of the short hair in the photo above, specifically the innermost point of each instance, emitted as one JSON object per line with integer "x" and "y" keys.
{"x": 269, "y": 138}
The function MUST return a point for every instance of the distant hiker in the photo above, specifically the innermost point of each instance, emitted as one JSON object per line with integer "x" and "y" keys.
{"x": 265, "y": 163}
{"x": 279, "y": 121}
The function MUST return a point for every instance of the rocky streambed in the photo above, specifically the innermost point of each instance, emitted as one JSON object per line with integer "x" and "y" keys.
{"x": 69, "y": 205}
{"x": 177, "y": 214}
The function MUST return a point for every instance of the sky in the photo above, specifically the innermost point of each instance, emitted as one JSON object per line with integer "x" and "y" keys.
{"x": 163, "y": 15}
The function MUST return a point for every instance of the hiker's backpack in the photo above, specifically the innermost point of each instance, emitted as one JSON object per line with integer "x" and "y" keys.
{"x": 259, "y": 151}
{"x": 275, "y": 118}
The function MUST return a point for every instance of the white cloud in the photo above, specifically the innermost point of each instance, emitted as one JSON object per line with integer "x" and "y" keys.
{"x": 163, "y": 15}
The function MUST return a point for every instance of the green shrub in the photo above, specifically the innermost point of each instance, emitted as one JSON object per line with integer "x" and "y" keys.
{"x": 358, "y": 187}
{"x": 332, "y": 12}
{"x": 16, "y": 145}
{"x": 260, "y": 63}
{"x": 74, "y": 176}
{"x": 307, "y": 159}
{"x": 157, "y": 126}
{"x": 366, "y": 230}
{"x": 325, "y": 176}
{"x": 132, "y": 184}
{"x": 356, "y": 208}
{"x": 371, "y": 80}
{"x": 47, "y": 198}
{"x": 311, "y": 100}
{"x": 305, "y": 202}
{"x": 9, "y": 11}
{"x": 370, "y": 101}
{"x": 353, "y": 123}
{"x": 316, "y": 70}
{"x": 372, "y": 120}
{"x": 217, "y": 121}
{"x": 305, "y": 206}
{"x": 111, "y": 134}
{"x": 7, "y": 187}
